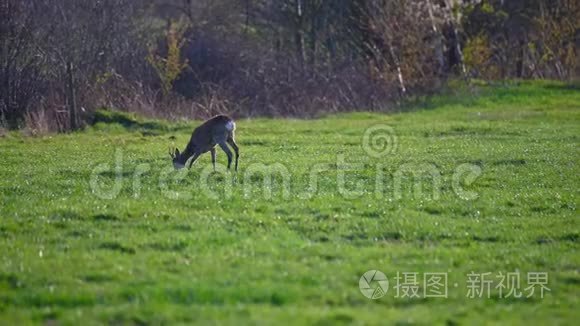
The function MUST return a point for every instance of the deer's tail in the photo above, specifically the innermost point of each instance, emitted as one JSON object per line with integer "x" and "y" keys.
{"x": 231, "y": 125}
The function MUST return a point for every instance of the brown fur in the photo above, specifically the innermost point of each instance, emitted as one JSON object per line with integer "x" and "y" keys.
{"x": 205, "y": 138}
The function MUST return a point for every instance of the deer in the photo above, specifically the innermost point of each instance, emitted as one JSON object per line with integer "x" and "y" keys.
{"x": 218, "y": 130}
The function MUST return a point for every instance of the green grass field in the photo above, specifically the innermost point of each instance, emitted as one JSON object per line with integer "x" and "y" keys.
{"x": 170, "y": 248}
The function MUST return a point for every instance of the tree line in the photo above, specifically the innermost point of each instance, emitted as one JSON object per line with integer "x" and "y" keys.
{"x": 62, "y": 59}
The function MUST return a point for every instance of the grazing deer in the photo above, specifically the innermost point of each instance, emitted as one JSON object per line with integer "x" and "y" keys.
{"x": 218, "y": 130}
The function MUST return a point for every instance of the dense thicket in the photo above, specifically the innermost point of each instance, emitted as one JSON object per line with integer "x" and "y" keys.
{"x": 61, "y": 59}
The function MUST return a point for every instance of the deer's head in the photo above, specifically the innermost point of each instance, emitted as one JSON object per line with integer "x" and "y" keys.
{"x": 177, "y": 159}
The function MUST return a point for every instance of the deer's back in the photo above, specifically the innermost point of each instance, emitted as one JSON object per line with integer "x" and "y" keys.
{"x": 217, "y": 128}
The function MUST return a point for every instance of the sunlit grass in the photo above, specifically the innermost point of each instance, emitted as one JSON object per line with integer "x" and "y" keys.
{"x": 69, "y": 255}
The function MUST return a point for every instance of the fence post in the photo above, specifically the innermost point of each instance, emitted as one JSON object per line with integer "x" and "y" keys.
{"x": 71, "y": 99}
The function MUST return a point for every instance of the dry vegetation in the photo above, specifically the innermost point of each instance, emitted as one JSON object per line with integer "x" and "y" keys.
{"x": 61, "y": 60}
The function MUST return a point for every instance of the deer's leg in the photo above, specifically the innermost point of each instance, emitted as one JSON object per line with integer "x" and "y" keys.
{"x": 212, "y": 151}
{"x": 193, "y": 159}
{"x": 232, "y": 143}
{"x": 227, "y": 151}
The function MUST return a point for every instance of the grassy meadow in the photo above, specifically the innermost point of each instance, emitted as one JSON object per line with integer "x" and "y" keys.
{"x": 203, "y": 247}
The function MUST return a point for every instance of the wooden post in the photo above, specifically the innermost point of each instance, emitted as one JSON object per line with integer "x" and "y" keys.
{"x": 71, "y": 99}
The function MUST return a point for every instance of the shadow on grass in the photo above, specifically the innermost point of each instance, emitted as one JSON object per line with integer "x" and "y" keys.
{"x": 132, "y": 122}
{"x": 115, "y": 246}
{"x": 11, "y": 280}
{"x": 168, "y": 247}
{"x": 105, "y": 217}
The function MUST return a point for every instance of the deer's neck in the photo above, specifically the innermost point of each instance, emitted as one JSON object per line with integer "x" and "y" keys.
{"x": 188, "y": 151}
